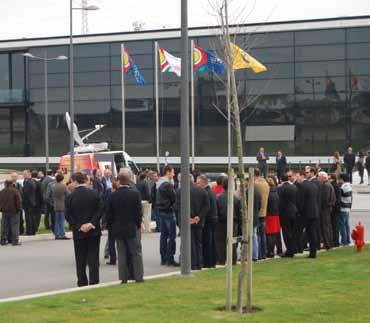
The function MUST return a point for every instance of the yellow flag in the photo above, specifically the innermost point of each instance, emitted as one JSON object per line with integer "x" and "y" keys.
{"x": 242, "y": 59}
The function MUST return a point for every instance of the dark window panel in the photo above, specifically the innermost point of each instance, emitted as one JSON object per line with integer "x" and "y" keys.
{"x": 59, "y": 66}
{"x": 4, "y": 71}
{"x": 273, "y": 39}
{"x": 312, "y": 37}
{"x": 260, "y": 87}
{"x": 134, "y": 47}
{"x": 359, "y": 67}
{"x": 356, "y": 51}
{"x": 320, "y": 69}
{"x": 361, "y": 34}
{"x": 319, "y": 53}
{"x": 321, "y": 84}
{"x": 91, "y": 50}
{"x": 18, "y": 71}
{"x": 272, "y": 55}
{"x": 133, "y": 91}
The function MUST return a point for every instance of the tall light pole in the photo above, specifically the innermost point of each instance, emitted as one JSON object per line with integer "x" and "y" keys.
{"x": 185, "y": 151}
{"x": 45, "y": 60}
{"x": 71, "y": 87}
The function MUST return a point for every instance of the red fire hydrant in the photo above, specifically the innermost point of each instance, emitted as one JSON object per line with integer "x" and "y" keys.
{"x": 358, "y": 236}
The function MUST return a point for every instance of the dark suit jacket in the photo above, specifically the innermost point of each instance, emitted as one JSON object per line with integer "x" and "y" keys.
{"x": 212, "y": 212}
{"x": 310, "y": 199}
{"x": 29, "y": 194}
{"x": 124, "y": 212}
{"x": 288, "y": 201}
{"x": 83, "y": 206}
{"x": 199, "y": 204}
{"x": 143, "y": 188}
{"x": 262, "y": 162}
{"x": 281, "y": 164}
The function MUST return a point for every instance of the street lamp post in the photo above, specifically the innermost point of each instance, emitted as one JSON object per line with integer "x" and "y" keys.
{"x": 185, "y": 151}
{"x": 71, "y": 87}
{"x": 45, "y": 60}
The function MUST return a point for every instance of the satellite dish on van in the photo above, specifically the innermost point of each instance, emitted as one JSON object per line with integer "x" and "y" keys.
{"x": 76, "y": 135}
{"x": 84, "y": 147}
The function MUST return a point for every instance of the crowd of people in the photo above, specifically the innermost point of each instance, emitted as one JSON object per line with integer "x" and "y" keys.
{"x": 308, "y": 210}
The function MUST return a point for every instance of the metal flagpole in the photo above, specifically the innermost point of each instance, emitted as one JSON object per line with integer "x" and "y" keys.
{"x": 192, "y": 105}
{"x": 156, "y": 48}
{"x": 46, "y": 114}
{"x": 123, "y": 98}
{"x": 185, "y": 171}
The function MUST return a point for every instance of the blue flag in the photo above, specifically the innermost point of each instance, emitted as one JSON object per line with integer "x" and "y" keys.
{"x": 214, "y": 63}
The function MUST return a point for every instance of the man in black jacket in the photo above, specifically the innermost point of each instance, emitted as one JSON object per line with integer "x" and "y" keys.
{"x": 209, "y": 242}
{"x": 310, "y": 202}
{"x": 281, "y": 164}
{"x": 199, "y": 205}
{"x": 289, "y": 215}
{"x": 349, "y": 162}
{"x": 83, "y": 212}
{"x": 39, "y": 201}
{"x": 29, "y": 202}
{"x": 221, "y": 225}
{"x": 165, "y": 201}
{"x": 336, "y": 209}
{"x": 49, "y": 215}
{"x": 124, "y": 216}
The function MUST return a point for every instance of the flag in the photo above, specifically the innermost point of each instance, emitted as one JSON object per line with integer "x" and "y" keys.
{"x": 242, "y": 59}
{"x": 207, "y": 61}
{"x": 169, "y": 63}
{"x": 129, "y": 66}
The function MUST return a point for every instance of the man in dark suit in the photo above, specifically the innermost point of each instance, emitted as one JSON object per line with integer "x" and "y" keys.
{"x": 49, "y": 215}
{"x": 124, "y": 216}
{"x": 209, "y": 242}
{"x": 310, "y": 202}
{"x": 281, "y": 164}
{"x": 349, "y": 162}
{"x": 199, "y": 205}
{"x": 83, "y": 212}
{"x": 39, "y": 200}
{"x": 29, "y": 202}
{"x": 289, "y": 215}
{"x": 262, "y": 159}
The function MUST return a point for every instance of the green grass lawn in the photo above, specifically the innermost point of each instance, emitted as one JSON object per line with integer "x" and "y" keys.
{"x": 333, "y": 288}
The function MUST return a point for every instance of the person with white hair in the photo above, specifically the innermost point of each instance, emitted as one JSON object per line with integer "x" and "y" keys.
{"x": 327, "y": 202}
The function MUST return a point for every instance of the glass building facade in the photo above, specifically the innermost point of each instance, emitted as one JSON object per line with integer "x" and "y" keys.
{"x": 317, "y": 87}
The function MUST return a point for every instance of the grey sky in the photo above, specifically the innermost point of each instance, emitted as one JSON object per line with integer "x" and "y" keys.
{"x": 40, "y": 18}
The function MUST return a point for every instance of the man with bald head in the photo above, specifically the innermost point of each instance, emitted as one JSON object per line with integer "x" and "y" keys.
{"x": 327, "y": 202}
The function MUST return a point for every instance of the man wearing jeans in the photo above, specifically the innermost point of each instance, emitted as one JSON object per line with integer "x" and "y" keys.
{"x": 165, "y": 201}
{"x": 345, "y": 207}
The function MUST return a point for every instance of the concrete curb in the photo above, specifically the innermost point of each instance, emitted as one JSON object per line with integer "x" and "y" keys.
{"x": 79, "y": 289}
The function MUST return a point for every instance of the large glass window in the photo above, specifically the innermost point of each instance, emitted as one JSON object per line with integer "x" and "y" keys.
{"x": 312, "y": 37}
{"x": 319, "y": 53}
{"x": 356, "y": 51}
{"x": 319, "y": 69}
{"x": 355, "y": 35}
{"x": 4, "y": 71}
{"x": 18, "y": 71}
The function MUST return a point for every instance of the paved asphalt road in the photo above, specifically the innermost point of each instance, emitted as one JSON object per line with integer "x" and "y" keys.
{"x": 42, "y": 266}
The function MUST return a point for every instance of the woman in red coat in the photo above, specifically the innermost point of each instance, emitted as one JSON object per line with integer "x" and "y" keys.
{"x": 273, "y": 228}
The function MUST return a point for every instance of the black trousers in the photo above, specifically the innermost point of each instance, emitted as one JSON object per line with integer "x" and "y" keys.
{"x": 313, "y": 239}
{"x": 30, "y": 217}
{"x": 209, "y": 246}
{"x": 196, "y": 247}
{"x": 130, "y": 258}
{"x": 290, "y": 230}
{"x": 49, "y": 217}
{"x": 335, "y": 226}
{"x": 220, "y": 236}
{"x": 21, "y": 222}
{"x": 274, "y": 240}
{"x": 87, "y": 254}
{"x": 37, "y": 215}
{"x": 112, "y": 247}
